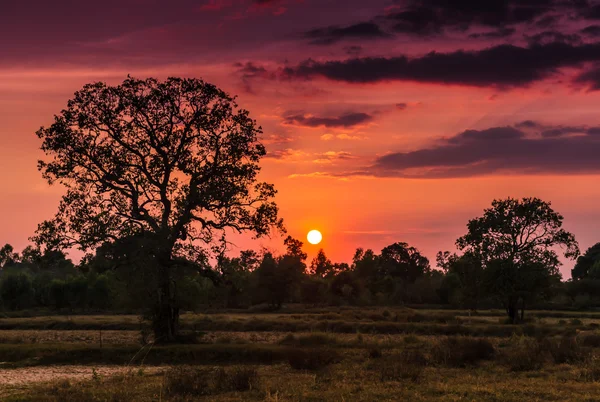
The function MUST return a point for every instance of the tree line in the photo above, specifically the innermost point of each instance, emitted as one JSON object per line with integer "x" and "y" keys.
{"x": 507, "y": 259}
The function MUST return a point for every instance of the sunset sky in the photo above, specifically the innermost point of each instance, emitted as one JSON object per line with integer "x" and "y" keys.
{"x": 384, "y": 120}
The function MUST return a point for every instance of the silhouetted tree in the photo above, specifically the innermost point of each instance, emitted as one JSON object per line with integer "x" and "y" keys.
{"x": 321, "y": 266}
{"x": 278, "y": 279}
{"x": 365, "y": 265}
{"x": 174, "y": 162}
{"x": 466, "y": 273}
{"x": 273, "y": 286}
{"x": 294, "y": 248}
{"x": 235, "y": 275}
{"x": 585, "y": 262}
{"x": 8, "y": 256}
{"x": 401, "y": 261}
{"x": 515, "y": 241}
{"x": 16, "y": 291}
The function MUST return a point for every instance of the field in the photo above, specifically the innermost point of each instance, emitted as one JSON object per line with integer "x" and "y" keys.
{"x": 335, "y": 354}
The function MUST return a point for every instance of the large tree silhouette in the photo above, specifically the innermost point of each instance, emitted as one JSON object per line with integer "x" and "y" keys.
{"x": 515, "y": 241}
{"x": 172, "y": 162}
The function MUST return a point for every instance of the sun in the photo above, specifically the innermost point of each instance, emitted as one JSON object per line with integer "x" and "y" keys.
{"x": 314, "y": 237}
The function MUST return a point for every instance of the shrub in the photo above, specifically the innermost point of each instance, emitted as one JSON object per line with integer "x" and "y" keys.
{"x": 410, "y": 364}
{"x": 312, "y": 359}
{"x": 576, "y": 321}
{"x": 566, "y": 350}
{"x": 527, "y": 354}
{"x": 591, "y": 340}
{"x": 375, "y": 353}
{"x": 16, "y": 291}
{"x": 462, "y": 351}
{"x": 309, "y": 340}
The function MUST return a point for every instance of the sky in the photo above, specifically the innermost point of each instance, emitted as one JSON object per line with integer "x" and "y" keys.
{"x": 384, "y": 120}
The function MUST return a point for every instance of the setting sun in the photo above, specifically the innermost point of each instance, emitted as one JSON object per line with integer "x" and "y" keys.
{"x": 314, "y": 237}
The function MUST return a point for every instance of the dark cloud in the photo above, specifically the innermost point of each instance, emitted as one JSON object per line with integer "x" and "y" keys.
{"x": 498, "y": 66}
{"x": 499, "y": 150}
{"x": 332, "y": 34}
{"x": 353, "y": 50}
{"x": 563, "y": 131}
{"x": 592, "y": 30}
{"x": 591, "y": 12}
{"x": 549, "y": 37}
{"x": 428, "y": 17}
{"x": 401, "y": 106}
{"x": 590, "y": 78}
{"x": 248, "y": 72}
{"x": 345, "y": 120}
{"x": 499, "y": 33}
{"x": 527, "y": 124}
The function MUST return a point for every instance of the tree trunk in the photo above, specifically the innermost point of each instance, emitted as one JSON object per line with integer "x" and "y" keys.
{"x": 522, "y": 310}
{"x": 165, "y": 320}
{"x": 513, "y": 312}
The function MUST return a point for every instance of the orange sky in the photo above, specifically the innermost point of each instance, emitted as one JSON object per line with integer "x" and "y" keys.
{"x": 328, "y": 172}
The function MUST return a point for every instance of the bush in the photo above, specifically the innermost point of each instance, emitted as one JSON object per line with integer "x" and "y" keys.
{"x": 312, "y": 359}
{"x": 16, "y": 291}
{"x": 527, "y": 354}
{"x": 576, "y": 321}
{"x": 410, "y": 364}
{"x": 591, "y": 340}
{"x": 309, "y": 340}
{"x": 375, "y": 353}
{"x": 462, "y": 351}
{"x": 566, "y": 350}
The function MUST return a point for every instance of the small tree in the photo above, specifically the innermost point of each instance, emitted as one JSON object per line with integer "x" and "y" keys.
{"x": 401, "y": 261}
{"x": 173, "y": 163}
{"x": 8, "y": 256}
{"x": 321, "y": 266}
{"x": 16, "y": 290}
{"x": 279, "y": 278}
{"x": 467, "y": 272}
{"x": 515, "y": 242}
{"x": 586, "y": 262}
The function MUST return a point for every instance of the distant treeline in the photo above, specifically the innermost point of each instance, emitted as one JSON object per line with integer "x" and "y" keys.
{"x": 116, "y": 278}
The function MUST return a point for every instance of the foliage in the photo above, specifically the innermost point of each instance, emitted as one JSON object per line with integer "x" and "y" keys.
{"x": 171, "y": 163}
{"x": 16, "y": 291}
{"x": 587, "y": 264}
{"x": 515, "y": 241}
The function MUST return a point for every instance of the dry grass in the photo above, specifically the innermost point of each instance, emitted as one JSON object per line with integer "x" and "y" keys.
{"x": 313, "y": 355}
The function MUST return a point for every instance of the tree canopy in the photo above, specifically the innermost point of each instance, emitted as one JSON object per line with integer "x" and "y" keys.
{"x": 515, "y": 241}
{"x": 174, "y": 162}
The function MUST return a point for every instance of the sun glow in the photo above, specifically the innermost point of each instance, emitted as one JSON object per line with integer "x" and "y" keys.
{"x": 314, "y": 237}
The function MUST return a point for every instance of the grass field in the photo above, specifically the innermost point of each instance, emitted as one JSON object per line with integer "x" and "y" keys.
{"x": 335, "y": 354}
